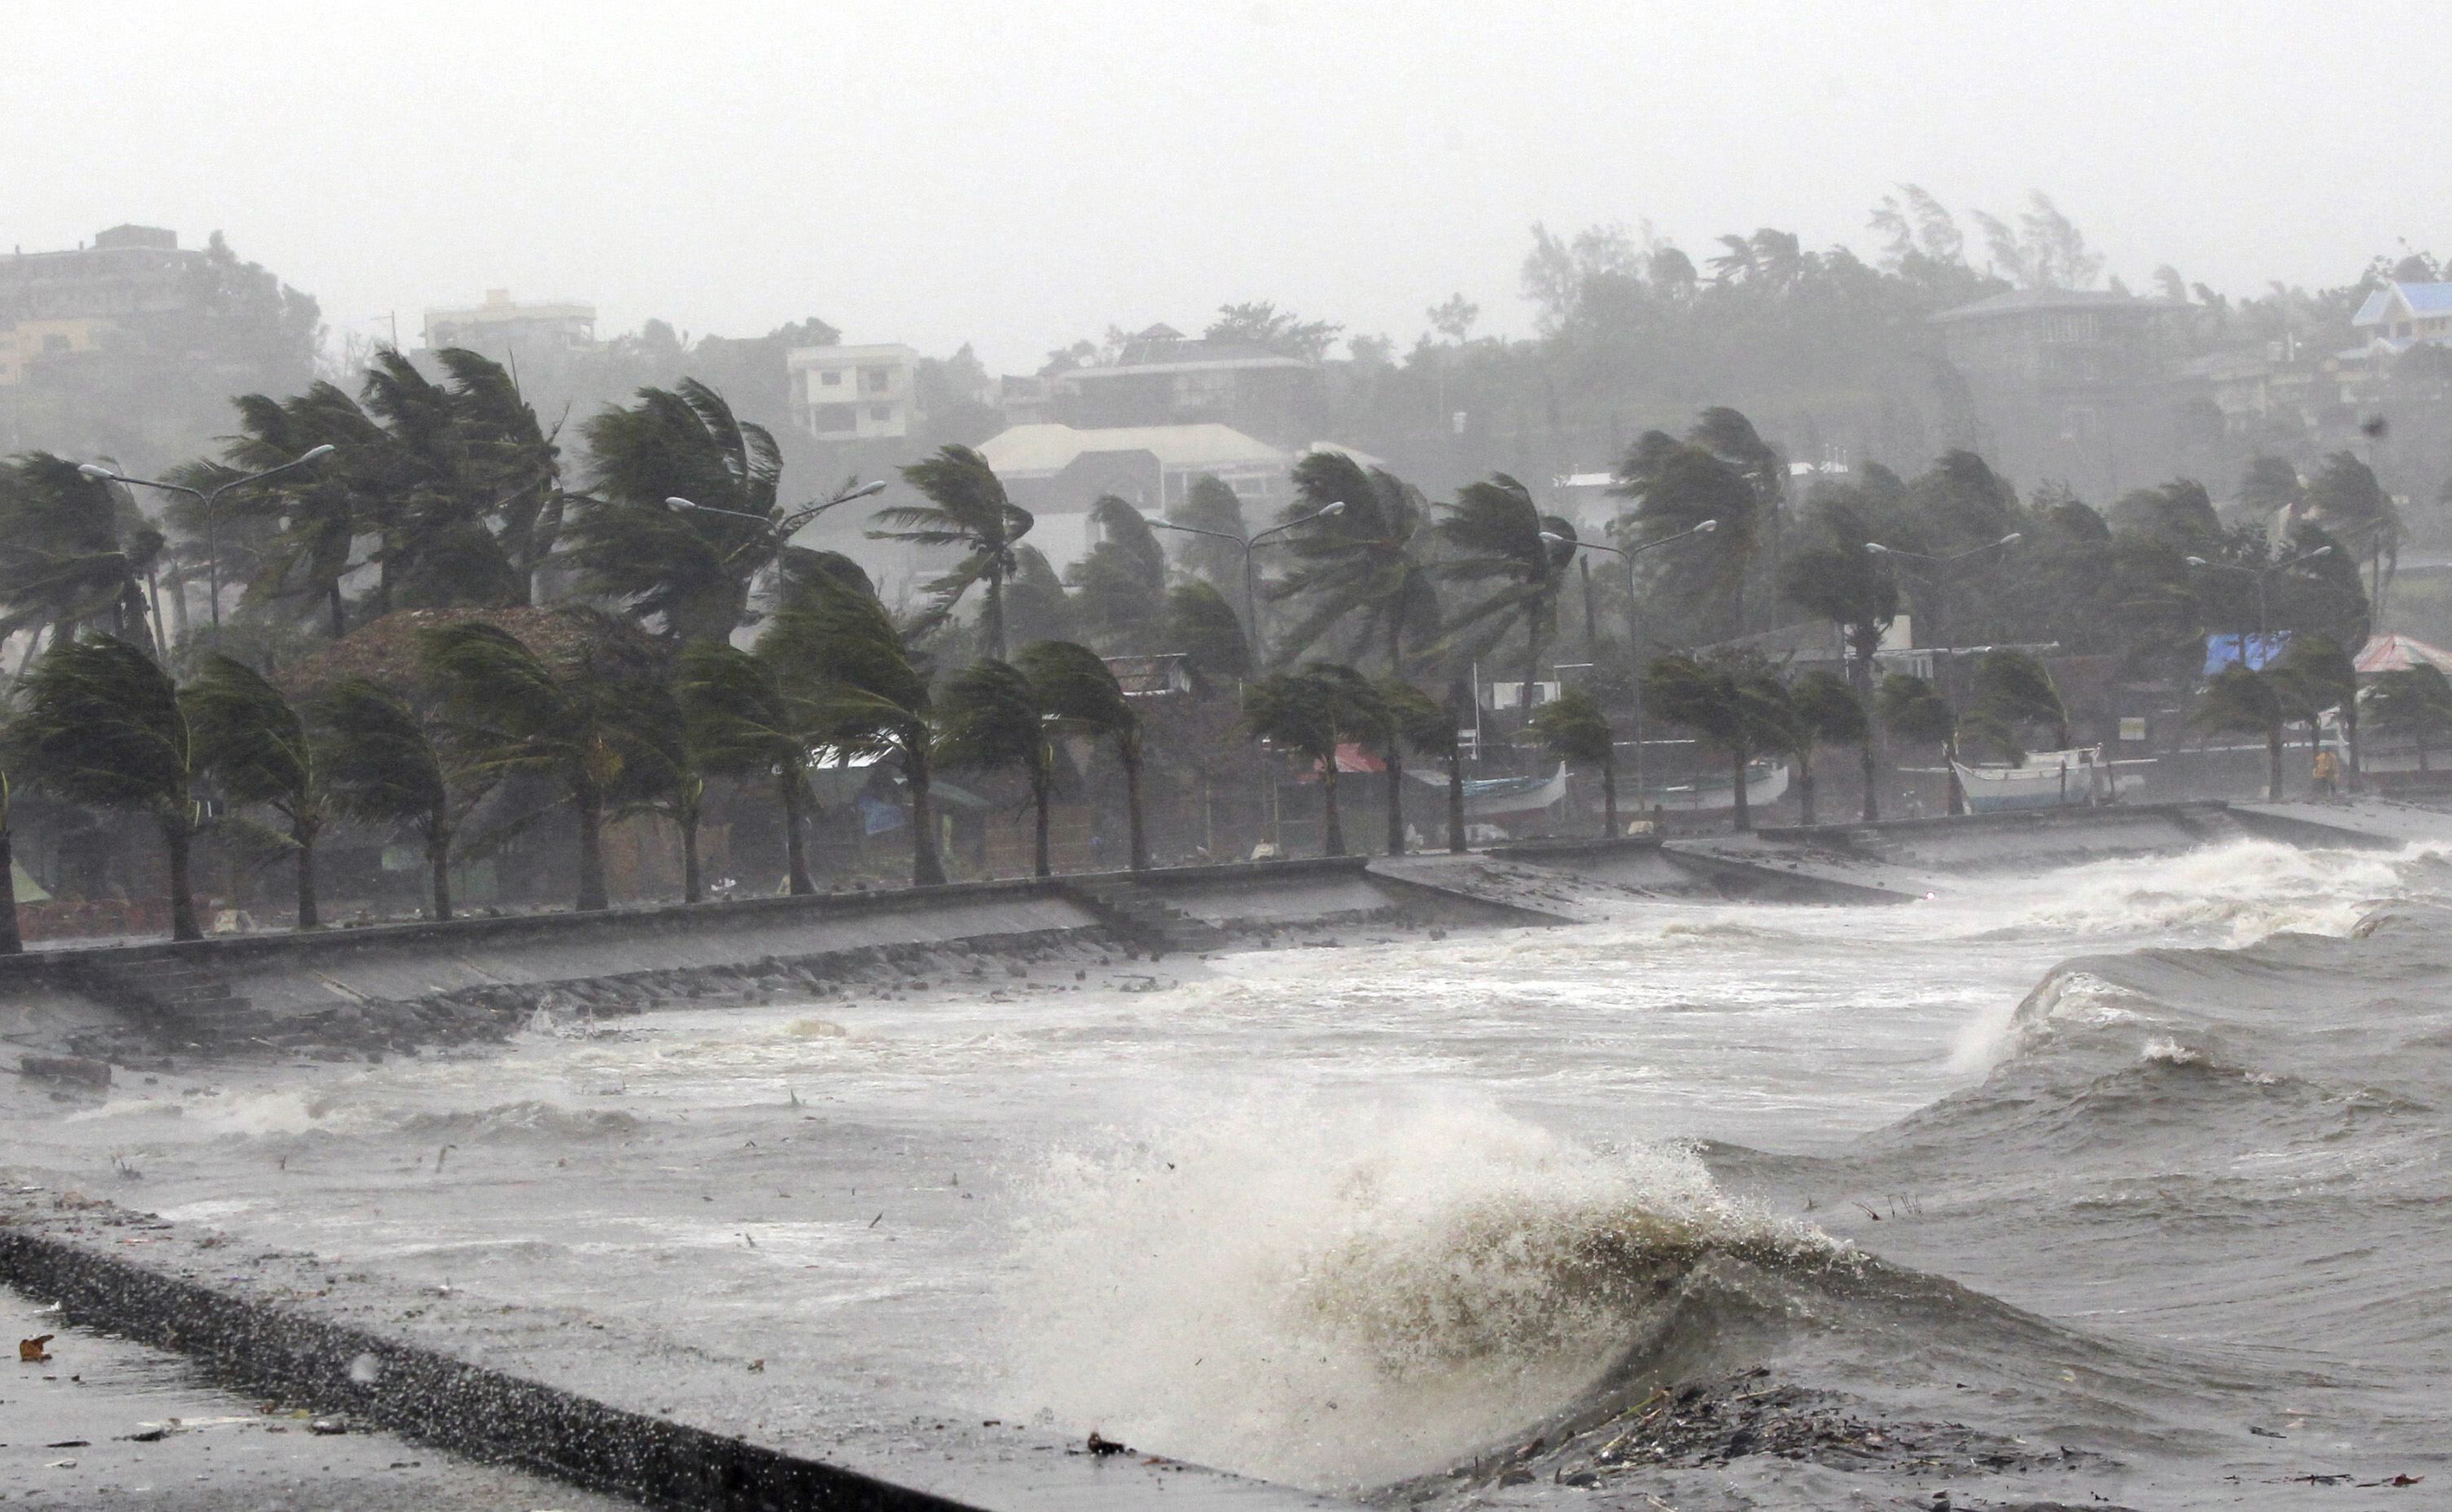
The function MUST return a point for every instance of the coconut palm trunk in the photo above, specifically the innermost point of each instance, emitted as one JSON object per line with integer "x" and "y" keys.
{"x": 1135, "y": 826}
{"x": 1332, "y": 830}
{"x": 796, "y": 839}
{"x": 927, "y": 867}
{"x": 438, "y": 869}
{"x": 1805, "y": 789}
{"x": 12, "y": 941}
{"x": 176, "y": 836}
{"x": 1867, "y": 768}
{"x": 1958, "y": 788}
{"x": 1395, "y": 798}
{"x": 309, "y": 916}
{"x": 1455, "y": 803}
{"x": 1040, "y": 863}
{"x": 591, "y": 853}
{"x": 2273, "y": 762}
{"x": 693, "y": 880}
{"x": 1744, "y": 815}
{"x": 1608, "y": 793}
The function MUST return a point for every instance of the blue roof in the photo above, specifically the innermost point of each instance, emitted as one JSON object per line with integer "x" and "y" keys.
{"x": 2423, "y": 299}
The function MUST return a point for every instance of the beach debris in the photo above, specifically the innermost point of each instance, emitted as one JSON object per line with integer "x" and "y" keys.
{"x": 1103, "y": 1447}
{"x": 37, "y": 1350}
{"x": 93, "y": 1075}
{"x": 328, "y": 1426}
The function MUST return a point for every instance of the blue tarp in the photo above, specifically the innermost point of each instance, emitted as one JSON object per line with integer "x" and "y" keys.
{"x": 2254, "y": 652}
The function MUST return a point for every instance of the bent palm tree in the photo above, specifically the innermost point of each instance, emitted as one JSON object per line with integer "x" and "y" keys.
{"x": 990, "y": 718}
{"x": 255, "y": 745}
{"x": 1078, "y": 690}
{"x": 1119, "y": 588}
{"x": 744, "y": 720}
{"x": 691, "y": 568}
{"x": 1360, "y": 565}
{"x": 383, "y": 766}
{"x": 571, "y": 720}
{"x": 1413, "y": 720}
{"x": 1309, "y": 713}
{"x": 1573, "y": 728}
{"x": 1914, "y": 711}
{"x": 838, "y": 649}
{"x": 1731, "y": 704}
{"x": 102, "y": 724}
{"x": 967, "y": 508}
{"x": 2242, "y": 701}
{"x": 73, "y": 550}
{"x": 1498, "y": 539}
{"x": 1828, "y": 713}
{"x": 2415, "y": 701}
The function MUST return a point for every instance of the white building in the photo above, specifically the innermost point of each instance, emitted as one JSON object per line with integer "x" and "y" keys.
{"x": 854, "y": 393}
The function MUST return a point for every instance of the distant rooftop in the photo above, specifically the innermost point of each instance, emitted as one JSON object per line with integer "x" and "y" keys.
{"x": 2415, "y": 298}
{"x": 498, "y": 306}
{"x": 2024, "y": 301}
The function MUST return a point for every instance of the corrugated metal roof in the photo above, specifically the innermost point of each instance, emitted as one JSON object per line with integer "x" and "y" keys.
{"x": 2421, "y": 299}
{"x": 1035, "y": 450}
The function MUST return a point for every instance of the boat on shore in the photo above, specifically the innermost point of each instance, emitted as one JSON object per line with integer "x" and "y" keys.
{"x": 2048, "y": 779}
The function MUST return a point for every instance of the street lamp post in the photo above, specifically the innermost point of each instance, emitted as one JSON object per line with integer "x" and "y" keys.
{"x": 1633, "y": 619}
{"x": 1957, "y": 789}
{"x": 2262, "y": 575}
{"x": 1245, "y": 543}
{"x": 211, "y": 503}
{"x": 779, "y": 533}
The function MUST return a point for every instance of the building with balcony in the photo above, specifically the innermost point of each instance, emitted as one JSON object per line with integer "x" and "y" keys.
{"x": 1162, "y": 377}
{"x": 2069, "y": 383}
{"x": 855, "y": 393}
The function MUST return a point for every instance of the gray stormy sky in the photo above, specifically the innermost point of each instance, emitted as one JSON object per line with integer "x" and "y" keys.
{"x": 1021, "y": 174}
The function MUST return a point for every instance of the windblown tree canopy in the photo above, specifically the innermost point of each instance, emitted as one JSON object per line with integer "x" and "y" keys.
{"x": 1495, "y": 539}
{"x": 73, "y": 552}
{"x": 747, "y": 719}
{"x": 691, "y": 569}
{"x": 100, "y": 723}
{"x": 257, "y": 748}
{"x": 384, "y": 767}
{"x": 1119, "y": 588}
{"x": 966, "y": 508}
{"x": 1361, "y": 578}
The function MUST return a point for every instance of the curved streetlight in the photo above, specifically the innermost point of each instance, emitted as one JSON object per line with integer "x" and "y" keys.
{"x": 1245, "y": 543}
{"x": 777, "y": 533}
{"x": 211, "y": 503}
{"x": 2010, "y": 540}
{"x": 2262, "y": 575}
{"x": 1633, "y": 617}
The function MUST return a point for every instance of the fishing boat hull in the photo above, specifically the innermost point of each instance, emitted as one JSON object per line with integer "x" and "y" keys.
{"x": 2049, "y": 779}
{"x": 1766, "y": 783}
{"x": 1498, "y": 798}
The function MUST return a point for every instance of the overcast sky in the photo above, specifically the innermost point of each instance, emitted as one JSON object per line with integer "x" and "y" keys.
{"x": 1020, "y": 174}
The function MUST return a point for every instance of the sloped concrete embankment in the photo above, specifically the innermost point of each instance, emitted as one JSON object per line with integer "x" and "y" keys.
{"x": 1684, "y": 868}
{"x": 283, "y": 1327}
{"x": 397, "y": 986}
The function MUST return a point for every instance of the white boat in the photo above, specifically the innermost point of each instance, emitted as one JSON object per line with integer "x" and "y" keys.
{"x": 1766, "y": 783}
{"x": 2048, "y": 779}
{"x": 1491, "y": 797}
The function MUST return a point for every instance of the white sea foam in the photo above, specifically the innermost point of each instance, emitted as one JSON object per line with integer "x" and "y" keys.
{"x": 1337, "y": 1296}
{"x": 2230, "y": 894}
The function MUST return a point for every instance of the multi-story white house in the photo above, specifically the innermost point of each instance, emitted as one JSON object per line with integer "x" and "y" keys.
{"x": 854, "y": 393}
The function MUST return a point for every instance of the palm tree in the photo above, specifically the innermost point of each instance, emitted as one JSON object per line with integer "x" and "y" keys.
{"x": 838, "y": 649}
{"x": 1119, "y": 588}
{"x": 1914, "y": 711}
{"x": 991, "y": 717}
{"x": 1078, "y": 690}
{"x": 1731, "y": 703}
{"x": 1829, "y": 713}
{"x": 1839, "y": 580}
{"x": 967, "y": 508}
{"x": 691, "y": 568}
{"x": 1361, "y": 565}
{"x": 438, "y": 486}
{"x": 1203, "y": 627}
{"x": 102, "y": 724}
{"x": 311, "y": 520}
{"x": 1210, "y": 505}
{"x": 1501, "y": 540}
{"x": 2316, "y": 674}
{"x": 1573, "y": 728}
{"x": 1308, "y": 713}
{"x": 572, "y": 719}
{"x": 1415, "y": 720}
{"x": 256, "y": 748}
{"x": 2016, "y": 689}
{"x": 1674, "y": 486}
{"x": 12, "y": 942}
{"x": 2247, "y": 703}
{"x": 746, "y": 720}
{"x": 381, "y": 766}
{"x": 73, "y": 550}
{"x": 2415, "y": 701}
{"x": 665, "y": 775}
